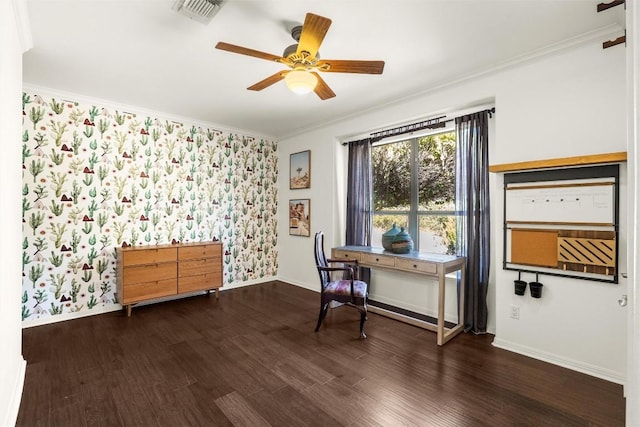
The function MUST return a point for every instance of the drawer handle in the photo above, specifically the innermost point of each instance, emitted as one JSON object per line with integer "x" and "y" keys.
{"x": 415, "y": 266}
{"x": 377, "y": 259}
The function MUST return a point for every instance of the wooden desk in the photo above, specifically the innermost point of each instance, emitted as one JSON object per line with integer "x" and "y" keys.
{"x": 433, "y": 265}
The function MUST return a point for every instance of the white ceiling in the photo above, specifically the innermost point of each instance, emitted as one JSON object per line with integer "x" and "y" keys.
{"x": 141, "y": 53}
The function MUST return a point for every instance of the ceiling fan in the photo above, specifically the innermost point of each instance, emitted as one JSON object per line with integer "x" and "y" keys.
{"x": 304, "y": 62}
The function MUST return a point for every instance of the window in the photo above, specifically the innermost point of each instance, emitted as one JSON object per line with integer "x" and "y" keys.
{"x": 414, "y": 187}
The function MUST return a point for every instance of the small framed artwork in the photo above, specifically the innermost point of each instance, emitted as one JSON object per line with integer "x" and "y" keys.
{"x": 300, "y": 217}
{"x": 300, "y": 170}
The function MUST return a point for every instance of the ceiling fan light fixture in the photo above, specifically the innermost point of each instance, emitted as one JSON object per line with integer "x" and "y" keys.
{"x": 300, "y": 82}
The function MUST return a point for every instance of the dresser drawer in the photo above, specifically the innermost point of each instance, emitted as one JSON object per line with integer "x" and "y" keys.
{"x": 148, "y": 256}
{"x": 149, "y": 273}
{"x": 148, "y": 290}
{"x": 199, "y": 251}
{"x": 199, "y": 266}
{"x": 417, "y": 266}
{"x": 201, "y": 282}
{"x": 374, "y": 259}
{"x": 338, "y": 254}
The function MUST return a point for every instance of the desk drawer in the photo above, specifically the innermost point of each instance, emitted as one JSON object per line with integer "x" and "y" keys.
{"x": 374, "y": 259}
{"x": 338, "y": 254}
{"x": 417, "y": 266}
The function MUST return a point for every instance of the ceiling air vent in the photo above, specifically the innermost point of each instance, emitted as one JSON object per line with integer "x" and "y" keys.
{"x": 198, "y": 10}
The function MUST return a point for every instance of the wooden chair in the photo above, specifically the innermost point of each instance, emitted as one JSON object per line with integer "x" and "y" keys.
{"x": 346, "y": 290}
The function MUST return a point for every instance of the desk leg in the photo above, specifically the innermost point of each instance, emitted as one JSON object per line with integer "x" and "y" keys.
{"x": 444, "y": 335}
{"x": 441, "y": 299}
{"x": 463, "y": 284}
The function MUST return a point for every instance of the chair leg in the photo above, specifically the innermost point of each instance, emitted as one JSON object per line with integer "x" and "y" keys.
{"x": 323, "y": 312}
{"x": 363, "y": 317}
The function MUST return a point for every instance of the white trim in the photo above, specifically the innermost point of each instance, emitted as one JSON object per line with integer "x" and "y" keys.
{"x": 236, "y": 285}
{"x": 632, "y": 385}
{"x": 13, "y": 407}
{"x": 115, "y": 105}
{"x": 69, "y": 316}
{"x": 117, "y": 307}
{"x": 312, "y": 287}
{"x": 585, "y": 368}
{"x": 23, "y": 26}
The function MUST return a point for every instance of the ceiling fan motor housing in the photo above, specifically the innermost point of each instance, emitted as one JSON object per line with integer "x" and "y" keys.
{"x": 290, "y": 50}
{"x": 295, "y": 32}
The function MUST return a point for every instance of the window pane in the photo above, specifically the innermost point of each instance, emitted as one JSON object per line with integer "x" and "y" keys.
{"x": 391, "y": 176}
{"x": 438, "y": 234}
{"x": 437, "y": 173}
{"x": 383, "y": 223}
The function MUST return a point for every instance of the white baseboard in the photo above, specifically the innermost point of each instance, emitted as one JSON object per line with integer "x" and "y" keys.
{"x": 315, "y": 286}
{"x": 15, "y": 396}
{"x": 235, "y": 285}
{"x": 28, "y": 323}
{"x": 585, "y": 368}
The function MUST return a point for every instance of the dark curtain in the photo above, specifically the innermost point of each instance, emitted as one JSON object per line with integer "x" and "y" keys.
{"x": 472, "y": 207}
{"x": 360, "y": 197}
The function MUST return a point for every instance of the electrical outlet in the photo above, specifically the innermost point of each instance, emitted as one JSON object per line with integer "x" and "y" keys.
{"x": 515, "y": 312}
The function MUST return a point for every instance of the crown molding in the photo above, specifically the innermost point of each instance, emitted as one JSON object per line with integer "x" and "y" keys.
{"x": 599, "y": 34}
{"x": 132, "y": 109}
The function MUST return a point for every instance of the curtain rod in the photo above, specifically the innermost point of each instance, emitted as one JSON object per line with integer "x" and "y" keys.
{"x": 433, "y": 123}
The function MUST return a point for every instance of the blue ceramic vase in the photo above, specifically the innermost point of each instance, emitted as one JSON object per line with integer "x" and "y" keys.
{"x": 402, "y": 242}
{"x": 388, "y": 236}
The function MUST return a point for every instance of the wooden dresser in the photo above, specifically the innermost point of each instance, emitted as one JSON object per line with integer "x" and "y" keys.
{"x": 149, "y": 272}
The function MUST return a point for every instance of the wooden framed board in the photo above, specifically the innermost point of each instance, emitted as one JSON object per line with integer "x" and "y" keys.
{"x": 563, "y": 222}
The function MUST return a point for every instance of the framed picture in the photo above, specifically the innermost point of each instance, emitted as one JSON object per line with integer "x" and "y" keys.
{"x": 300, "y": 217}
{"x": 300, "y": 170}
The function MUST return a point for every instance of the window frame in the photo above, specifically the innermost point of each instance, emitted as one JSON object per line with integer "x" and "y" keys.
{"x": 414, "y": 213}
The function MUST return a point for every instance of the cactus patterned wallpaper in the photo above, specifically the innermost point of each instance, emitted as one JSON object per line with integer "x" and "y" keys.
{"x": 96, "y": 178}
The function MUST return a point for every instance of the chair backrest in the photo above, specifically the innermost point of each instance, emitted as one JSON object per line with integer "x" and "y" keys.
{"x": 321, "y": 259}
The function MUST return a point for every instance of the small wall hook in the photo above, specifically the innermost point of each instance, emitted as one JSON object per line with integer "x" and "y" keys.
{"x": 622, "y": 302}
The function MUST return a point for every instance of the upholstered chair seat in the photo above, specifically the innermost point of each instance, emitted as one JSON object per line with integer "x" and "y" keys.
{"x": 346, "y": 290}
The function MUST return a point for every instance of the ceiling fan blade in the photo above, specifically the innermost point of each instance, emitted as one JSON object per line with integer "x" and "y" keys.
{"x": 275, "y": 78}
{"x": 246, "y": 51}
{"x": 322, "y": 89}
{"x": 313, "y": 31}
{"x": 349, "y": 66}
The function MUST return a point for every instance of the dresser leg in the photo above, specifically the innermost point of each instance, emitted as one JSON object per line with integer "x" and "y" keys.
{"x": 217, "y": 293}
{"x": 129, "y": 310}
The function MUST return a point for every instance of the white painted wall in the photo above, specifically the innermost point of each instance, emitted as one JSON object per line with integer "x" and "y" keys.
{"x": 12, "y": 364}
{"x": 570, "y": 102}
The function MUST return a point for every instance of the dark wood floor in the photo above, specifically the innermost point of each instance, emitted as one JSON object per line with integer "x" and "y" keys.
{"x": 251, "y": 358}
